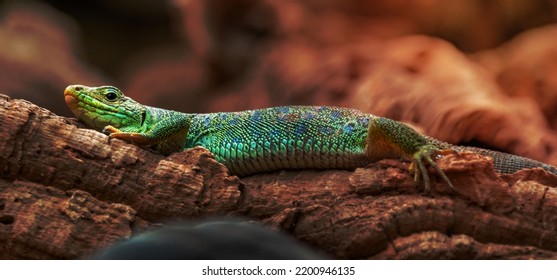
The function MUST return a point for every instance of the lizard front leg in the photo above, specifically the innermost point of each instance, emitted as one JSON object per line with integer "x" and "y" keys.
{"x": 139, "y": 139}
{"x": 166, "y": 136}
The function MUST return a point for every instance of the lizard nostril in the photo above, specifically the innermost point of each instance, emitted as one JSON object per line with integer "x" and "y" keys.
{"x": 78, "y": 88}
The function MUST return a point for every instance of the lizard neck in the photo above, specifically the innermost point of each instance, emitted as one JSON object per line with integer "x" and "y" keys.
{"x": 168, "y": 129}
{"x": 155, "y": 116}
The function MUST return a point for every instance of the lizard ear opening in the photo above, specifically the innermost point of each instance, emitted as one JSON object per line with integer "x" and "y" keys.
{"x": 143, "y": 117}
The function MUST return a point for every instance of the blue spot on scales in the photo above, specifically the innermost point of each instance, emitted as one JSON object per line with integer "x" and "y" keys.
{"x": 326, "y": 130}
{"x": 256, "y": 116}
{"x": 308, "y": 116}
{"x": 284, "y": 110}
{"x": 275, "y": 134}
{"x": 300, "y": 129}
{"x": 363, "y": 121}
{"x": 256, "y": 134}
{"x": 348, "y": 128}
{"x": 207, "y": 120}
{"x": 336, "y": 114}
{"x": 233, "y": 121}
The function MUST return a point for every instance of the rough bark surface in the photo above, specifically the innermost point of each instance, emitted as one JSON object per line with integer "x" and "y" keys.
{"x": 66, "y": 191}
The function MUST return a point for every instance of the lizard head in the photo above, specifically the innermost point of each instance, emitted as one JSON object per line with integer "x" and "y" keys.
{"x": 106, "y": 105}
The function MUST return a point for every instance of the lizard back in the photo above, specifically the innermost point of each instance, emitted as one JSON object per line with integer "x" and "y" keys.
{"x": 283, "y": 138}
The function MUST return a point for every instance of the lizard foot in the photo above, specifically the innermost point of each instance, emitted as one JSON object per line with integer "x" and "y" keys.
{"x": 130, "y": 137}
{"x": 427, "y": 153}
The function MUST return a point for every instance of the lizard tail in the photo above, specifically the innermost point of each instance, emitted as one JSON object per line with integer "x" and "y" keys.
{"x": 503, "y": 163}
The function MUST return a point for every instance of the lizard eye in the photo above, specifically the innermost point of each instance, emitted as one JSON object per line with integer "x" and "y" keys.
{"x": 111, "y": 96}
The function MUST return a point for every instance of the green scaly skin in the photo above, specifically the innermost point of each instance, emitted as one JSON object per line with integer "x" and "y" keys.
{"x": 292, "y": 137}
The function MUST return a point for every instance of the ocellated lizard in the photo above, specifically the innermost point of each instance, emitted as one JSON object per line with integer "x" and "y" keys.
{"x": 291, "y": 137}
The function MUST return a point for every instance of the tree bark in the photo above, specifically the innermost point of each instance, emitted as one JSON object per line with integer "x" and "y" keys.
{"x": 66, "y": 191}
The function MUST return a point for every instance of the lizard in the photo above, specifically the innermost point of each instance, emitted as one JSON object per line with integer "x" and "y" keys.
{"x": 287, "y": 137}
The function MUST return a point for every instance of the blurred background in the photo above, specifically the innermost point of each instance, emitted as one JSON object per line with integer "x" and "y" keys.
{"x": 469, "y": 72}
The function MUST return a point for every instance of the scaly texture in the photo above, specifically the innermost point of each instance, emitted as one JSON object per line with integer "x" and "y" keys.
{"x": 283, "y": 137}
{"x": 292, "y": 137}
{"x": 502, "y": 162}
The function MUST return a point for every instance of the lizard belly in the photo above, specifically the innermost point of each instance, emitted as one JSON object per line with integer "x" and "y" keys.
{"x": 287, "y": 155}
{"x": 283, "y": 138}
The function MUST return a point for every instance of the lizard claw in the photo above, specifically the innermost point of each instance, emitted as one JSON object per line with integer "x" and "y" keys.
{"x": 110, "y": 131}
{"x": 426, "y": 153}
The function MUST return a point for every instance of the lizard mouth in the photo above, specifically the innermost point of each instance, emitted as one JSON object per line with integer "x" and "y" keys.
{"x": 70, "y": 97}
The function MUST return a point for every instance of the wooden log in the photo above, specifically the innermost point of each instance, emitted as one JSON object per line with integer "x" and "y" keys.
{"x": 66, "y": 191}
